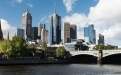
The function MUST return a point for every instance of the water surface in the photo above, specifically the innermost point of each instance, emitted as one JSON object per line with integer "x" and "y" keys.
{"x": 60, "y": 69}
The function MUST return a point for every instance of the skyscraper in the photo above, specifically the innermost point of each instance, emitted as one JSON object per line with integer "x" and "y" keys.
{"x": 34, "y": 33}
{"x": 15, "y": 32}
{"x": 101, "y": 39}
{"x": 40, "y": 27}
{"x": 44, "y": 36}
{"x": 1, "y": 33}
{"x": 27, "y": 24}
{"x": 54, "y": 28}
{"x": 90, "y": 34}
{"x": 66, "y": 31}
{"x": 73, "y": 31}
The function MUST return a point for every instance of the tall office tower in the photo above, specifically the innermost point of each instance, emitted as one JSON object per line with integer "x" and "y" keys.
{"x": 16, "y": 32}
{"x": 73, "y": 31}
{"x": 54, "y": 28}
{"x": 101, "y": 39}
{"x": 44, "y": 36}
{"x": 34, "y": 33}
{"x": 66, "y": 32}
{"x": 90, "y": 34}
{"x": 27, "y": 24}
{"x": 1, "y": 33}
{"x": 40, "y": 27}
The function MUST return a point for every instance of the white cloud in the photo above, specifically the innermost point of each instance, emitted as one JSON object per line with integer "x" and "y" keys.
{"x": 69, "y": 4}
{"x": 43, "y": 18}
{"x": 5, "y": 26}
{"x": 13, "y": 2}
{"x": 19, "y": 1}
{"x": 30, "y": 4}
{"x": 106, "y": 17}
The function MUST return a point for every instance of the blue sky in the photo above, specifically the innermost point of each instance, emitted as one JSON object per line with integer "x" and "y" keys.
{"x": 104, "y": 14}
{"x": 11, "y": 10}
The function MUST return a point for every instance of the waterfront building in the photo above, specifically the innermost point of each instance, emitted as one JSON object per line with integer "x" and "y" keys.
{"x": 1, "y": 33}
{"x": 90, "y": 34}
{"x": 54, "y": 28}
{"x": 34, "y": 33}
{"x": 27, "y": 24}
{"x": 44, "y": 36}
{"x": 40, "y": 27}
{"x": 101, "y": 39}
{"x": 16, "y": 32}
{"x": 66, "y": 32}
{"x": 76, "y": 45}
{"x": 73, "y": 31}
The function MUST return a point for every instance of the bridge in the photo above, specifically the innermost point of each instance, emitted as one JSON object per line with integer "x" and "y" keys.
{"x": 100, "y": 54}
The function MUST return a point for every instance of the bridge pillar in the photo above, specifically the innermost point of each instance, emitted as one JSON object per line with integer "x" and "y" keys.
{"x": 99, "y": 59}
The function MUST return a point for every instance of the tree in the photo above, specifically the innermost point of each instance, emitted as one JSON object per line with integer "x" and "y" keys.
{"x": 103, "y": 47}
{"x": 6, "y": 47}
{"x": 31, "y": 49}
{"x": 60, "y": 52}
{"x": 44, "y": 46}
{"x": 19, "y": 46}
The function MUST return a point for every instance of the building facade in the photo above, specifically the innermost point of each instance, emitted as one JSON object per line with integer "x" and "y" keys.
{"x": 90, "y": 34}
{"x": 73, "y": 31}
{"x": 34, "y": 33}
{"x": 1, "y": 33}
{"x": 17, "y": 32}
{"x": 66, "y": 32}
{"x": 54, "y": 28}
{"x": 40, "y": 27}
{"x": 27, "y": 25}
{"x": 76, "y": 45}
{"x": 101, "y": 39}
{"x": 44, "y": 36}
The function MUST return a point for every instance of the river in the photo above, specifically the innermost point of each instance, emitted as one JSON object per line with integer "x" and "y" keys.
{"x": 61, "y": 69}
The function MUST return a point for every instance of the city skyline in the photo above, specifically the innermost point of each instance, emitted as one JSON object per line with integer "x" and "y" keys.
{"x": 105, "y": 18}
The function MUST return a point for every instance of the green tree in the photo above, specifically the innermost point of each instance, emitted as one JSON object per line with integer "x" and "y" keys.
{"x": 19, "y": 46}
{"x": 103, "y": 47}
{"x": 60, "y": 52}
{"x": 31, "y": 49}
{"x": 44, "y": 46}
{"x": 6, "y": 47}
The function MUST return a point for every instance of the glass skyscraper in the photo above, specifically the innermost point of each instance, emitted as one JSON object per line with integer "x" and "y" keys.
{"x": 27, "y": 24}
{"x": 54, "y": 29}
{"x": 101, "y": 39}
{"x": 40, "y": 27}
{"x": 34, "y": 33}
{"x": 90, "y": 34}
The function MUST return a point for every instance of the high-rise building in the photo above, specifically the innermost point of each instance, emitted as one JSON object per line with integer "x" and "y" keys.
{"x": 54, "y": 28}
{"x": 101, "y": 39}
{"x": 27, "y": 24}
{"x": 34, "y": 33}
{"x": 66, "y": 32}
{"x": 73, "y": 31}
{"x": 40, "y": 27}
{"x": 1, "y": 33}
{"x": 90, "y": 34}
{"x": 44, "y": 36}
{"x": 15, "y": 32}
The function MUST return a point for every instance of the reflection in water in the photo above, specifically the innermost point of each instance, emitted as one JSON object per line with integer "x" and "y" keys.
{"x": 59, "y": 69}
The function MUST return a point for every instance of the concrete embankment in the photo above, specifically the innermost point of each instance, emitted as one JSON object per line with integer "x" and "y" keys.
{"x": 24, "y": 62}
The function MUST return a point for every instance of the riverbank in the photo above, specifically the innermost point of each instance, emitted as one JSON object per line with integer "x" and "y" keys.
{"x": 33, "y": 62}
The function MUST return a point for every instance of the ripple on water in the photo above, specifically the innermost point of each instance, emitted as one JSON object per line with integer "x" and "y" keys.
{"x": 60, "y": 69}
